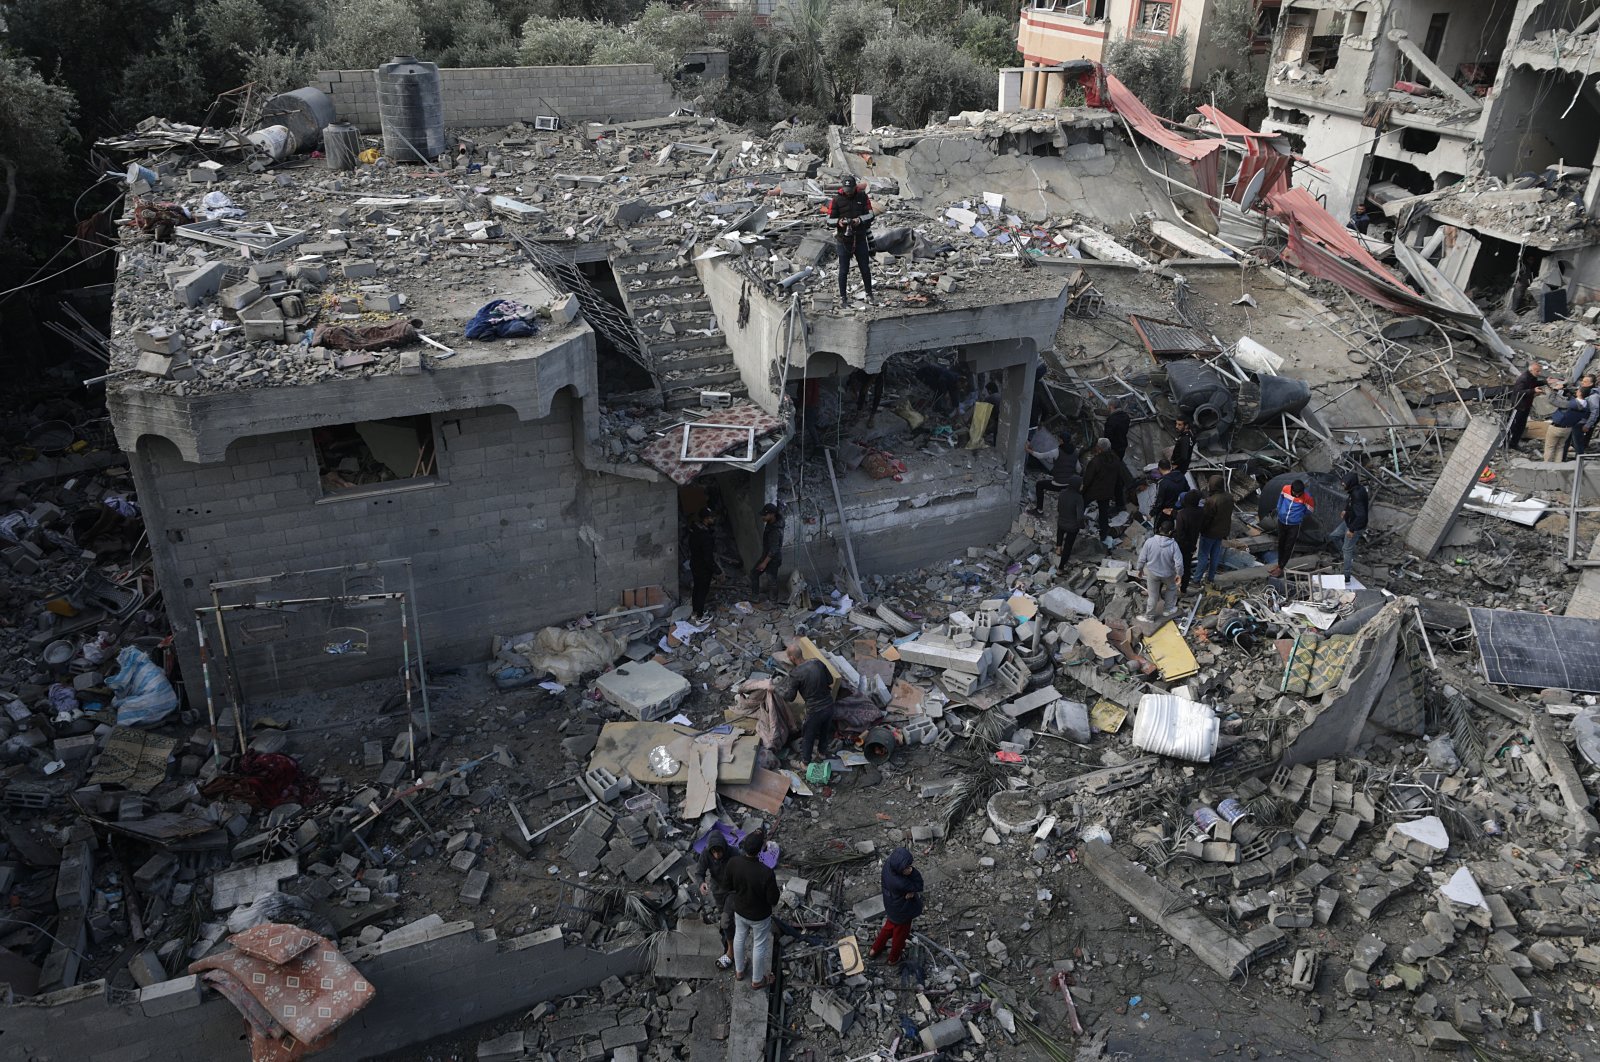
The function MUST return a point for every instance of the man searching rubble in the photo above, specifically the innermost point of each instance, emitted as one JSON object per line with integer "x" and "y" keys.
{"x": 811, "y": 680}
{"x": 1523, "y": 390}
{"x": 851, "y": 212}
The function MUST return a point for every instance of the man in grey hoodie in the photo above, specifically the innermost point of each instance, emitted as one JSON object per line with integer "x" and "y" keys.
{"x": 1160, "y": 563}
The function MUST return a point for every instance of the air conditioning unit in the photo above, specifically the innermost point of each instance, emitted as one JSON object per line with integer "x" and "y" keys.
{"x": 547, "y": 122}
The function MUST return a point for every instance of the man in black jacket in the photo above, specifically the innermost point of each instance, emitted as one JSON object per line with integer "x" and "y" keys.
{"x": 771, "y": 549}
{"x": 1064, "y": 467}
{"x": 1169, "y": 488}
{"x": 702, "y": 559}
{"x": 1357, "y": 512}
{"x": 812, "y": 681}
{"x": 1103, "y": 479}
{"x": 1523, "y": 389}
{"x": 851, "y": 212}
{"x": 1069, "y": 517}
{"x": 902, "y": 903}
{"x": 755, "y": 893}
{"x": 1116, "y": 430}
{"x": 1182, "y": 445}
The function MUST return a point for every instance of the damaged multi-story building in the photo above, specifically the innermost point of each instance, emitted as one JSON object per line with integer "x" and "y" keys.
{"x": 1486, "y": 110}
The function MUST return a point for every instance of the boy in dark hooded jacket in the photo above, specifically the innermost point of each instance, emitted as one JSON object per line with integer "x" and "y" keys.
{"x": 902, "y": 902}
{"x": 714, "y": 887}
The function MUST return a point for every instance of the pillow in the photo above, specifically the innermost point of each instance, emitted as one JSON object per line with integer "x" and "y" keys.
{"x": 275, "y": 942}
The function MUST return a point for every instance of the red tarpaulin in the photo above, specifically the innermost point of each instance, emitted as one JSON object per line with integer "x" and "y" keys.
{"x": 1260, "y": 153}
{"x": 1200, "y": 155}
{"x": 1296, "y": 208}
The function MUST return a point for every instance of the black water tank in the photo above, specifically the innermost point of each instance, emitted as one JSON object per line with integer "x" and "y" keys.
{"x": 411, "y": 110}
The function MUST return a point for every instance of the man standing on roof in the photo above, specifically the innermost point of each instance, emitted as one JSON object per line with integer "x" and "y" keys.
{"x": 1523, "y": 389}
{"x": 1294, "y": 505}
{"x": 851, "y": 212}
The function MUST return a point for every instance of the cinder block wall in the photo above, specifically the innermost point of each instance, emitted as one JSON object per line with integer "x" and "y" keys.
{"x": 484, "y": 95}
{"x": 498, "y": 545}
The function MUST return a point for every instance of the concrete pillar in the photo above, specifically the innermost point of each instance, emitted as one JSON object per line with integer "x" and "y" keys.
{"x": 1030, "y": 81}
{"x": 1040, "y": 88}
{"x": 1010, "y": 92}
{"x": 1018, "y": 360}
{"x": 1591, "y": 191}
{"x": 861, "y": 112}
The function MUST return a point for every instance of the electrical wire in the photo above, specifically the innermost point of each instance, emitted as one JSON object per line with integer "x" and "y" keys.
{"x": 34, "y": 283}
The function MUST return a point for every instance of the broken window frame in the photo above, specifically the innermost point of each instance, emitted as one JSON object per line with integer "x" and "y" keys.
{"x": 1155, "y": 8}
{"x": 426, "y": 472}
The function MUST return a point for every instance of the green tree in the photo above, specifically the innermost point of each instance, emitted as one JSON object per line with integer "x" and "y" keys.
{"x": 361, "y": 34}
{"x": 796, "y": 61}
{"x": 851, "y": 26}
{"x": 1237, "y": 85}
{"x": 36, "y": 130}
{"x": 563, "y": 41}
{"x": 465, "y": 33}
{"x": 1154, "y": 73}
{"x": 990, "y": 39}
{"x": 169, "y": 80}
{"x": 914, "y": 76}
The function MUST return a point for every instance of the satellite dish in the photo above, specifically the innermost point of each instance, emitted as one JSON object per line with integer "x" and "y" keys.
{"x": 1252, "y": 191}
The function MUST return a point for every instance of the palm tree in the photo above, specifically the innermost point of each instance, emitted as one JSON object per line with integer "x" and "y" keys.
{"x": 795, "y": 50}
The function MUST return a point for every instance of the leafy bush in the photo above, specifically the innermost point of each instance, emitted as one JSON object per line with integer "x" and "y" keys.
{"x": 914, "y": 76}
{"x": 1154, "y": 73}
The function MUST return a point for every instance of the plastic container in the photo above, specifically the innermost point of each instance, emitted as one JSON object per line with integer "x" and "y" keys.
{"x": 411, "y": 110}
{"x": 304, "y": 112}
{"x": 341, "y": 143}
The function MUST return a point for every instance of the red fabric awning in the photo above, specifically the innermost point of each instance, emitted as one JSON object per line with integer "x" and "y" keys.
{"x": 1297, "y": 209}
{"x": 1125, "y": 103}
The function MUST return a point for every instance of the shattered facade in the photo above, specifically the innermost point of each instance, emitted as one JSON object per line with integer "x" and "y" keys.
{"x": 1392, "y": 100}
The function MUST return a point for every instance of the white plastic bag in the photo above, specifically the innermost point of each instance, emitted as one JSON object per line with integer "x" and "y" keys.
{"x": 142, "y": 694}
{"x": 1172, "y": 726}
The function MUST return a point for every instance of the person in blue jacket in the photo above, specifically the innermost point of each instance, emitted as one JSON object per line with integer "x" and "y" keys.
{"x": 902, "y": 903}
{"x": 1294, "y": 505}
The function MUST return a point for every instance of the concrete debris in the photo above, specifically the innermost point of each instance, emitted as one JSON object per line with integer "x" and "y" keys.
{"x": 554, "y": 343}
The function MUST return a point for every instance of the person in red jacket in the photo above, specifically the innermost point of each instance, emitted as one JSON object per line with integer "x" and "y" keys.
{"x": 851, "y": 212}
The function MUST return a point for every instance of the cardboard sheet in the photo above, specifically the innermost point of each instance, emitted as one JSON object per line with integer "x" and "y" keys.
{"x": 1170, "y": 653}
{"x": 765, "y": 791}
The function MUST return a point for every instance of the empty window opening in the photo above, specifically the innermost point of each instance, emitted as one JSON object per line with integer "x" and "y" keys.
{"x": 375, "y": 453}
{"x": 1356, "y": 24}
{"x": 1420, "y": 141}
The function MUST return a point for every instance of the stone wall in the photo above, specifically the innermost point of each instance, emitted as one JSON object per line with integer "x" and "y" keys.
{"x": 512, "y": 534}
{"x": 486, "y": 96}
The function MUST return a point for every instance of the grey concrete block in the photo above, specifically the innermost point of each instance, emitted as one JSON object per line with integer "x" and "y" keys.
{"x": 165, "y": 997}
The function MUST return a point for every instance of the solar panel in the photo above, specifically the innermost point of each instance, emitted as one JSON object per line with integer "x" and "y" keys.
{"x": 1536, "y": 650}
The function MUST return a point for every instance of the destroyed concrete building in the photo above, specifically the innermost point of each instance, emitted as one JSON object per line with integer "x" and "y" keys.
{"x": 1474, "y": 114}
{"x": 459, "y": 409}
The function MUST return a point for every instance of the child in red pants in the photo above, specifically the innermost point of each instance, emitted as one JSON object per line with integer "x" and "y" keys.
{"x": 902, "y": 902}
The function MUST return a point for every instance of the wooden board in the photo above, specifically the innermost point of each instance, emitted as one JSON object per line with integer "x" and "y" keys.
{"x": 765, "y": 791}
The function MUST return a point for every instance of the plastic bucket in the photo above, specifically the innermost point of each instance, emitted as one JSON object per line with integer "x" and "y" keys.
{"x": 1171, "y": 726}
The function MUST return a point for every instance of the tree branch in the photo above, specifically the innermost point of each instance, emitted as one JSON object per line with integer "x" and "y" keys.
{"x": 11, "y": 195}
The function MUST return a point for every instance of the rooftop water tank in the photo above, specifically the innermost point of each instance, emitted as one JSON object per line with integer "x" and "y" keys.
{"x": 411, "y": 110}
{"x": 304, "y": 112}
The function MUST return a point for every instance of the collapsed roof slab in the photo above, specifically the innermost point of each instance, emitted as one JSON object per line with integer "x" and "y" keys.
{"x": 524, "y": 375}
{"x": 866, "y": 342}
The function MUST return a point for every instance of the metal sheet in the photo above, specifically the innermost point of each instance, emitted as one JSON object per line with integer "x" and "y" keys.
{"x": 1539, "y": 651}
